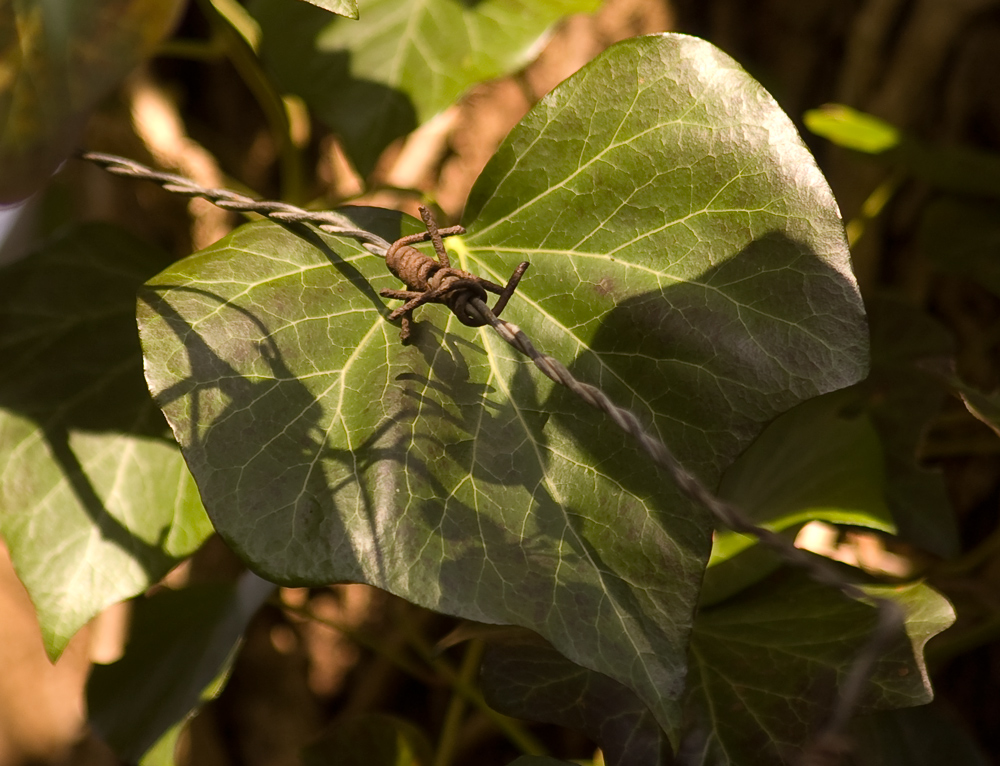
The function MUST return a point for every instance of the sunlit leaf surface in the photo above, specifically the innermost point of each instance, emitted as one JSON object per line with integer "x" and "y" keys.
{"x": 687, "y": 257}
{"x": 376, "y": 79}
{"x": 95, "y": 500}
{"x": 348, "y": 8}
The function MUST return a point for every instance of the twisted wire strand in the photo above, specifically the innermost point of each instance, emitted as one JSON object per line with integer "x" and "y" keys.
{"x": 282, "y": 212}
{"x": 828, "y": 743}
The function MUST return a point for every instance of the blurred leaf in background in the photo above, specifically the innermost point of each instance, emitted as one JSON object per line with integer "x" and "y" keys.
{"x": 57, "y": 61}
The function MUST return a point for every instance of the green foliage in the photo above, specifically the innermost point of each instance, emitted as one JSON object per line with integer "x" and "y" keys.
{"x": 687, "y": 257}
{"x": 57, "y": 60}
{"x": 348, "y": 8}
{"x": 852, "y": 129}
{"x": 375, "y": 82}
{"x": 181, "y": 648}
{"x": 773, "y": 654}
{"x": 313, "y": 432}
{"x": 97, "y": 502}
{"x": 371, "y": 740}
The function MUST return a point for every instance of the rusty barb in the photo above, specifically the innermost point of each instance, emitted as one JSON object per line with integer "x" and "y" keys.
{"x": 437, "y": 281}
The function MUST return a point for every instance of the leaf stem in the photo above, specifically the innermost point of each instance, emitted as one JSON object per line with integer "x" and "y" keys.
{"x": 243, "y": 57}
{"x": 450, "y": 730}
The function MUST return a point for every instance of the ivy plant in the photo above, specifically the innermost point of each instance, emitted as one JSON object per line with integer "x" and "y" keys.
{"x": 687, "y": 258}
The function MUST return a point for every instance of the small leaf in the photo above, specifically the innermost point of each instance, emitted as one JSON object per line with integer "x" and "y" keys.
{"x": 371, "y": 740}
{"x": 95, "y": 500}
{"x": 525, "y": 677}
{"x": 375, "y": 80}
{"x": 57, "y": 60}
{"x": 687, "y": 257}
{"x": 852, "y": 129}
{"x": 821, "y": 460}
{"x": 766, "y": 666}
{"x": 181, "y": 646}
{"x": 347, "y": 8}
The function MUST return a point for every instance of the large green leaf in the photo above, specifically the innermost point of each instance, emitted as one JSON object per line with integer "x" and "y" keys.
{"x": 95, "y": 500}
{"x": 57, "y": 60}
{"x": 922, "y": 736}
{"x": 766, "y": 666}
{"x": 688, "y": 256}
{"x": 376, "y": 79}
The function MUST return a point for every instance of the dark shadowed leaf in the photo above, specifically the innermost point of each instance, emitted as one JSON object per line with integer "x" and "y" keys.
{"x": 57, "y": 60}
{"x": 375, "y": 80}
{"x": 687, "y": 257}
{"x": 765, "y": 666}
{"x": 181, "y": 646}
{"x": 901, "y": 398}
{"x": 95, "y": 500}
{"x": 962, "y": 236}
{"x": 820, "y": 460}
{"x": 919, "y": 736}
{"x": 371, "y": 740}
{"x": 525, "y": 677}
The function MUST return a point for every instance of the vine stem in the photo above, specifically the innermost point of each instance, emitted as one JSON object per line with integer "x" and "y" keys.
{"x": 828, "y": 744}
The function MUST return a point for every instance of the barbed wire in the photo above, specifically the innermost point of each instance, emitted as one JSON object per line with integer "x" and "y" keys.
{"x": 281, "y": 212}
{"x": 828, "y": 744}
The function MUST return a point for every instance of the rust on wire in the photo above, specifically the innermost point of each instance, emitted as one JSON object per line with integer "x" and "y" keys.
{"x": 437, "y": 281}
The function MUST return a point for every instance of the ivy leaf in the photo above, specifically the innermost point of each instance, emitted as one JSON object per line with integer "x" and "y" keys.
{"x": 95, "y": 500}
{"x": 571, "y": 696}
{"x": 903, "y": 396}
{"x": 689, "y": 257}
{"x": 765, "y": 666}
{"x": 371, "y": 740}
{"x": 375, "y": 80}
{"x": 347, "y": 8}
{"x": 57, "y": 60}
{"x": 820, "y": 460}
{"x": 180, "y": 651}
{"x": 920, "y": 736}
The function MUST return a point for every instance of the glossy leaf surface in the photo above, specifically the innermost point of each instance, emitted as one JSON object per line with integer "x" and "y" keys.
{"x": 57, "y": 60}
{"x": 687, "y": 257}
{"x": 95, "y": 500}
{"x": 404, "y": 61}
